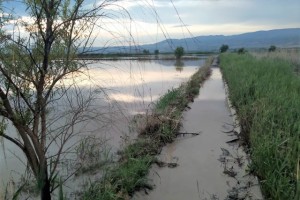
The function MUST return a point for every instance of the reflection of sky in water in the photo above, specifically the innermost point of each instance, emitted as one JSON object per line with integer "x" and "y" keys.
{"x": 133, "y": 85}
{"x": 137, "y": 82}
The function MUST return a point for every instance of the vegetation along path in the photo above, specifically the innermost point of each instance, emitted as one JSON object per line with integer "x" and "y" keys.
{"x": 208, "y": 165}
{"x": 265, "y": 90}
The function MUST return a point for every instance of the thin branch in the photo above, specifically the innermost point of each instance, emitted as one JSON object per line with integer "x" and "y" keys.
{"x": 8, "y": 78}
{"x": 16, "y": 142}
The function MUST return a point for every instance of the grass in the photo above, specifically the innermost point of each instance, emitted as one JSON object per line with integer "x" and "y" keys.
{"x": 292, "y": 56}
{"x": 160, "y": 127}
{"x": 266, "y": 95}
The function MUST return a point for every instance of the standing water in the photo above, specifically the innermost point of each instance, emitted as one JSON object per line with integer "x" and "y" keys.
{"x": 210, "y": 165}
{"x": 124, "y": 88}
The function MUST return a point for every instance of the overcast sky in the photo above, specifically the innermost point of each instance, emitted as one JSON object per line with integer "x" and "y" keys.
{"x": 227, "y": 17}
{"x": 154, "y": 20}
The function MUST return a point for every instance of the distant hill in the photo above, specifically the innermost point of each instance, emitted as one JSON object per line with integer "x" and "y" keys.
{"x": 259, "y": 39}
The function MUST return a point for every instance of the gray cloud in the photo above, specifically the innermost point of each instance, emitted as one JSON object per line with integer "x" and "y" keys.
{"x": 274, "y": 12}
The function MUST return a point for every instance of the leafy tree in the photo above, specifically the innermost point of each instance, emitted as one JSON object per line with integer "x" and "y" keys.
{"x": 272, "y": 48}
{"x": 179, "y": 52}
{"x": 156, "y": 51}
{"x": 32, "y": 70}
{"x": 224, "y": 48}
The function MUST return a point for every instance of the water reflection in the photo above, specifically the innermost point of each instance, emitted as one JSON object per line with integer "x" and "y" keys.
{"x": 179, "y": 65}
{"x": 125, "y": 88}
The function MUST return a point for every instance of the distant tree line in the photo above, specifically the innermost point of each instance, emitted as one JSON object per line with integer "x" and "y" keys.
{"x": 224, "y": 48}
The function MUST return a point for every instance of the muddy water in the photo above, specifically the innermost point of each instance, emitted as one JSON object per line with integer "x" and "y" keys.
{"x": 129, "y": 87}
{"x": 208, "y": 167}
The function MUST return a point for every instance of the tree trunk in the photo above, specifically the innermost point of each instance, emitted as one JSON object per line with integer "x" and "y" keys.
{"x": 45, "y": 190}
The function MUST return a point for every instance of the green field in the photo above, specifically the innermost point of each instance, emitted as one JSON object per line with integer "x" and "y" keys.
{"x": 266, "y": 94}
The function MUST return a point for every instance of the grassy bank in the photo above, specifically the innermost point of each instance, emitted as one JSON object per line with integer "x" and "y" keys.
{"x": 159, "y": 128}
{"x": 266, "y": 94}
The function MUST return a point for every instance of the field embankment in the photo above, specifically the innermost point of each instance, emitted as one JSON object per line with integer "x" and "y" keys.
{"x": 142, "y": 57}
{"x": 155, "y": 130}
{"x": 266, "y": 95}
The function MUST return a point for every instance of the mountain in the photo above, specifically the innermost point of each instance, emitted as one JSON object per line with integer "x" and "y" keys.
{"x": 259, "y": 39}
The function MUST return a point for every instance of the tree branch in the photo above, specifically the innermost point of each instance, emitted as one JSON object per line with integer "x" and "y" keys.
{"x": 16, "y": 142}
{"x": 16, "y": 88}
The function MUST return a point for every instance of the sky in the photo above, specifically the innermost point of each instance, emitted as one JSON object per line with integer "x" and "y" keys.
{"x": 150, "y": 21}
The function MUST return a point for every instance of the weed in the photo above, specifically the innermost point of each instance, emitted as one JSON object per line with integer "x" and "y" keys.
{"x": 266, "y": 93}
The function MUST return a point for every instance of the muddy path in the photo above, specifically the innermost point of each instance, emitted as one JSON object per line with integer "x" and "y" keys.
{"x": 211, "y": 165}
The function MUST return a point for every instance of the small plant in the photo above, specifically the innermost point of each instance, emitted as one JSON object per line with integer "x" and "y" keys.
{"x": 92, "y": 153}
{"x": 179, "y": 52}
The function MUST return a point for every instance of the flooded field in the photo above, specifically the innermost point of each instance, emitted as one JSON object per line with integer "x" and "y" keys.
{"x": 120, "y": 90}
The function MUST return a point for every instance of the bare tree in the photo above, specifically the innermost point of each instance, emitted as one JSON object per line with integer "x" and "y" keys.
{"x": 31, "y": 72}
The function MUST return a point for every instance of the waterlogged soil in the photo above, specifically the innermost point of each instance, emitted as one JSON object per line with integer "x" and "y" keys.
{"x": 211, "y": 165}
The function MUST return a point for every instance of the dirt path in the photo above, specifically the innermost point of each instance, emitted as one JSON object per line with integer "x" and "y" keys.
{"x": 208, "y": 166}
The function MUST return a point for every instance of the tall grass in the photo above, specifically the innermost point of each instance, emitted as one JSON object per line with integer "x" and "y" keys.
{"x": 292, "y": 56}
{"x": 266, "y": 94}
{"x": 159, "y": 128}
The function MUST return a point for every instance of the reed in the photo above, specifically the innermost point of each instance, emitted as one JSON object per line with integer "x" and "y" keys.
{"x": 266, "y": 95}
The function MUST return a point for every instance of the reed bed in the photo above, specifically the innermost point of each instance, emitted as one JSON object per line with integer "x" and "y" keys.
{"x": 266, "y": 95}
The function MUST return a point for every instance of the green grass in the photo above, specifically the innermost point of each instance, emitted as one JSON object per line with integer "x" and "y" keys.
{"x": 169, "y": 98}
{"x": 161, "y": 127}
{"x": 122, "y": 181}
{"x": 266, "y": 94}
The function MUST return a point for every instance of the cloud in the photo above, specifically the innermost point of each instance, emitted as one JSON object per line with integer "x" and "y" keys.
{"x": 148, "y": 21}
{"x": 181, "y": 25}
